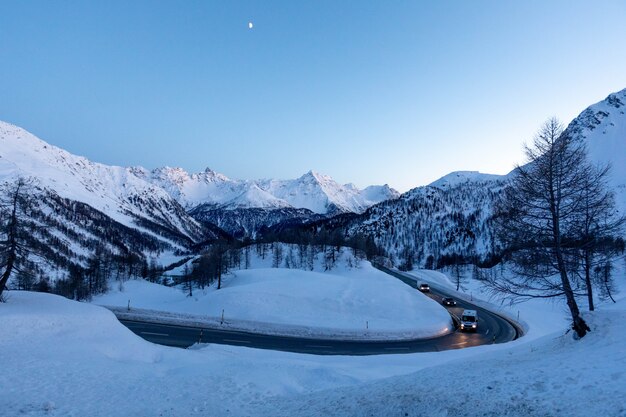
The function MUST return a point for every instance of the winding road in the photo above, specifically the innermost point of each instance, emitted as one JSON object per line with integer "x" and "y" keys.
{"x": 492, "y": 328}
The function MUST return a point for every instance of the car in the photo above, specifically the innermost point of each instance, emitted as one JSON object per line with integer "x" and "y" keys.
{"x": 469, "y": 321}
{"x": 424, "y": 288}
{"x": 448, "y": 301}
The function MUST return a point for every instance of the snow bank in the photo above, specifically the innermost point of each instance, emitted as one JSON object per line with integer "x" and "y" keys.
{"x": 359, "y": 303}
{"x": 553, "y": 376}
{"x": 49, "y": 321}
{"x": 66, "y": 358}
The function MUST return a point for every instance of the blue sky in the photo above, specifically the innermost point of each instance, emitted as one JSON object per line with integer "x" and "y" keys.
{"x": 397, "y": 92}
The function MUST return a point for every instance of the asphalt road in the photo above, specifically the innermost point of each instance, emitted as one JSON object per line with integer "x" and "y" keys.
{"x": 491, "y": 329}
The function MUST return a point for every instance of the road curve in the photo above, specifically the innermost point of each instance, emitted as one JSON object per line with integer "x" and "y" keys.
{"x": 492, "y": 329}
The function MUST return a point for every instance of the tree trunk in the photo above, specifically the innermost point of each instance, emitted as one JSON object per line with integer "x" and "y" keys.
{"x": 12, "y": 238}
{"x": 219, "y": 272}
{"x": 606, "y": 272}
{"x": 588, "y": 279}
{"x": 578, "y": 324}
{"x": 7, "y": 272}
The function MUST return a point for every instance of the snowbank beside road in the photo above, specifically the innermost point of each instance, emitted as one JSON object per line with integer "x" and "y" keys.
{"x": 60, "y": 350}
{"x": 361, "y": 303}
{"x": 553, "y": 376}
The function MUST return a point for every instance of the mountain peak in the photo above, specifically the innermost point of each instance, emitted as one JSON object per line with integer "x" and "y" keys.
{"x": 123, "y": 194}
{"x": 603, "y": 128}
{"x": 255, "y": 197}
{"x": 311, "y": 174}
{"x": 210, "y": 176}
{"x": 460, "y": 177}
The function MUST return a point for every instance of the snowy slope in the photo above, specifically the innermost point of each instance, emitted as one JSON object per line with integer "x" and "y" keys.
{"x": 115, "y": 191}
{"x": 190, "y": 190}
{"x": 313, "y": 191}
{"x": 323, "y": 195}
{"x": 86, "y": 212}
{"x": 374, "y": 194}
{"x": 243, "y": 208}
{"x": 456, "y": 178}
{"x": 554, "y": 376}
{"x": 450, "y": 218}
{"x": 603, "y": 127}
{"x": 61, "y": 350}
{"x": 294, "y": 302}
{"x": 255, "y": 197}
{"x": 447, "y": 221}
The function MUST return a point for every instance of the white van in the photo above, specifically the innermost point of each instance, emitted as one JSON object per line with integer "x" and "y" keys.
{"x": 469, "y": 320}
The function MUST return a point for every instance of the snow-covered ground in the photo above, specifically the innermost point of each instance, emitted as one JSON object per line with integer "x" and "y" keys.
{"x": 66, "y": 358}
{"x": 346, "y": 302}
{"x": 75, "y": 359}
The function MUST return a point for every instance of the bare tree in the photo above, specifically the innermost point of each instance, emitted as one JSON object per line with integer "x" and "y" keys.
{"x": 539, "y": 219}
{"x": 277, "y": 255}
{"x": 458, "y": 275}
{"x": 598, "y": 224}
{"x": 15, "y": 227}
{"x": 187, "y": 281}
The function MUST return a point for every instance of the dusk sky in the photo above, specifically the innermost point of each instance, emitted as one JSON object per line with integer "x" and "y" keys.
{"x": 397, "y": 92}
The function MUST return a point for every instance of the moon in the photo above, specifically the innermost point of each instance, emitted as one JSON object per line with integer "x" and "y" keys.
{"x": 250, "y": 25}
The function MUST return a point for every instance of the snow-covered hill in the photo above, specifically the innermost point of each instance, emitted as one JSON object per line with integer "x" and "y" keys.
{"x": 85, "y": 206}
{"x": 115, "y": 191}
{"x": 603, "y": 127}
{"x": 456, "y": 178}
{"x": 449, "y": 220}
{"x": 256, "y": 296}
{"x": 149, "y": 210}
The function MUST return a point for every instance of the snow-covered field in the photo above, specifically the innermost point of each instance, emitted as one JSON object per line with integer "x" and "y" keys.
{"x": 66, "y": 358}
{"x": 358, "y": 302}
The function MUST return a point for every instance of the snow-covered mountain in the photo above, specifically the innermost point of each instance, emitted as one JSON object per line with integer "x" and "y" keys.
{"x": 156, "y": 204}
{"x": 249, "y": 222}
{"x": 323, "y": 195}
{"x": 244, "y": 207}
{"x": 84, "y": 204}
{"x": 191, "y": 190}
{"x": 456, "y": 178}
{"x": 449, "y": 220}
{"x": 312, "y": 191}
{"x": 115, "y": 191}
{"x": 603, "y": 127}
{"x": 133, "y": 210}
